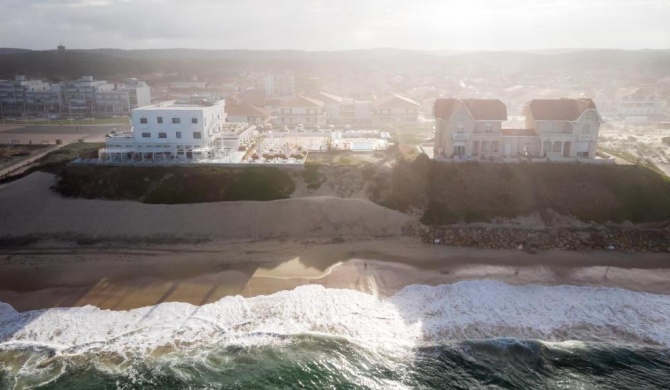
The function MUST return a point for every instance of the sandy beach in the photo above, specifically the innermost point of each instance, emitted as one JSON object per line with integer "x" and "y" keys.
{"x": 123, "y": 255}
{"x": 122, "y": 277}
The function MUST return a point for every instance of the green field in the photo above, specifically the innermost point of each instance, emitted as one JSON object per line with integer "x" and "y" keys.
{"x": 174, "y": 185}
{"x": 472, "y": 192}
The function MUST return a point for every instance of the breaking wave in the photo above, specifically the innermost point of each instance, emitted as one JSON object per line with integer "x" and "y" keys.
{"x": 330, "y": 337}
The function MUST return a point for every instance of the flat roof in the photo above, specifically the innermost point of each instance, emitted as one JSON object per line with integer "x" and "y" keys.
{"x": 172, "y": 105}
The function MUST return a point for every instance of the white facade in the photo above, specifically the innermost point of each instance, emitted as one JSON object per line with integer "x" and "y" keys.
{"x": 175, "y": 131}
{"x": 555, "y": 129}
{"x": 139, "y": 93}
{"x": 360, "y": 140}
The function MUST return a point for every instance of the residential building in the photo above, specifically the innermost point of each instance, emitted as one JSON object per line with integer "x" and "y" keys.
{"x": 280, "y": 84}
{"x": 555, "y": 129}
{"x": 631, "y": 102}
{"x": 247, "y": 113}
{"x": 332, "y": 104}
{"x": 470, "y": 127}
{"x": 20, "y": 97}
{"x": 395, "y": 110}
{"x": 302, "y": 110}
{"x": 641, "y": 102}
{"x": 88, "y": 94}
{"x": 566, "y": 128}
{"x": 139, "y": 93}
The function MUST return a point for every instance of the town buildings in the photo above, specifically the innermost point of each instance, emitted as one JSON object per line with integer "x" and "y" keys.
{"x": 302, "y": 110}
{"x": 279, "y": 84}
{"x": 395, "y": 110}
{"x": 555, "y": 129}
{"x": 247, "y": 113}
{"x": 84, "y": 97}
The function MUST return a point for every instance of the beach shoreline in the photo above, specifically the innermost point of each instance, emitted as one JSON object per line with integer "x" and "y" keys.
{"x": 118, "y": 276}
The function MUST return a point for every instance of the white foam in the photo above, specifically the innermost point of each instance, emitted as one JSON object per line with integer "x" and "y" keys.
{"x": 415, "y": 316}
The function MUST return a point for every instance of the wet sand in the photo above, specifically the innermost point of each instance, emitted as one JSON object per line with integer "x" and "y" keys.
{"x": 121, "y": 276}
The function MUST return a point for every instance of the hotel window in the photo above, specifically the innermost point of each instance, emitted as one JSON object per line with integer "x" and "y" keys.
{"x": 194, "y": 120}
{"x": 197, "y": 135}
{"x": 146, "y": 135}
{"x": 162, "y": 135}
{"x": 143, "y": 120}
{"x": 178, "y": 134}
{"x": 176, "y": 120}
{"x": 159, "y": 119}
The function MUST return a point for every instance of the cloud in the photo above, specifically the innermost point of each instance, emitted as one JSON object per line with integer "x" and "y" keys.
{"x": 333, "y": 25}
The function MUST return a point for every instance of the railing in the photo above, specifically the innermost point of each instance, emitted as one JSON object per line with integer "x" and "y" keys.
{"x": 587, "y": 137}
{"x": 558, "y": 137}
{"x": 460, "y": 136}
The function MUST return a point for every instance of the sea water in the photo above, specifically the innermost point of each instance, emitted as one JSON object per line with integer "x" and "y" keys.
{"x": 467, "y": 335}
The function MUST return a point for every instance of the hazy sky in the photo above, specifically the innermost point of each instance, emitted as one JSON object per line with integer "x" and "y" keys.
{"x": 336, "y": 24}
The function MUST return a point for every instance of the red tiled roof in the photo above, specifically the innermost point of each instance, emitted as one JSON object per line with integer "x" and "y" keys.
{"x": 518, "y": 132}
{"x": 327, "y": 97}
{"x": 395, "y": 101}
{"x": 558, "y": 109}
{"x": 254, "y": 98}
{"x": 446, "y": 108}
{"x": 486, "y": 109}
{"x": 246, "y": 110}
{"x": 480, "y": 109}
{"x": 302, "y": 101}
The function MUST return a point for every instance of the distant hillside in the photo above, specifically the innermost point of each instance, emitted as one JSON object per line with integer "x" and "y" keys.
{"x": 10, "y": 50}
{"x": 111, "y": 63}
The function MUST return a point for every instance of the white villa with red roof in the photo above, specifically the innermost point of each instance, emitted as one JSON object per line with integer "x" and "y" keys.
{"x": 555, "y": 129}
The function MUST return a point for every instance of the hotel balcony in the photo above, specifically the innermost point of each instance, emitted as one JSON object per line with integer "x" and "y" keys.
{"x": 460, "y": 136}
{"x": 558, "y": 137}
{"x": 587, "y": 137}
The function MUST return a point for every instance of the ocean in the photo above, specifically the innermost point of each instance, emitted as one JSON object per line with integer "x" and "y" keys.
{"x": 466, "y": 335}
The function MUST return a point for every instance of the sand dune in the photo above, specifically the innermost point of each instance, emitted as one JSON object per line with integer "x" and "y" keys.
{"x": 28, "y": 206}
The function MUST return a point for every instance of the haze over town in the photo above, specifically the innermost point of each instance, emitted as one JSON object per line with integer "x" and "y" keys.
{"x": 337, "y": 25}
{"x": 367, "y": 194}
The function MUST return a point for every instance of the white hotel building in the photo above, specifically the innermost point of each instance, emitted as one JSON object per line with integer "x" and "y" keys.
{"x": 178, "y": 132}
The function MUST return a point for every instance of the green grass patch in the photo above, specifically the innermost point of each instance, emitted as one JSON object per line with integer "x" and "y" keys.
{"x": 312, "y": 177}
{"x": 473, "y": 192}
{"x": 174, "y": 185}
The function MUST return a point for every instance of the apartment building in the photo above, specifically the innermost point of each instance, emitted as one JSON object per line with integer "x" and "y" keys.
{"x": 302, "y": 110}
{"x": 21, "y": 96}
{"x": 555, "y": 129}
{"x": 395, "y": 110}
{"x": 280, "y": 84}
{"x": 247, "y": 113}
{"x": 86, "y": 96}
